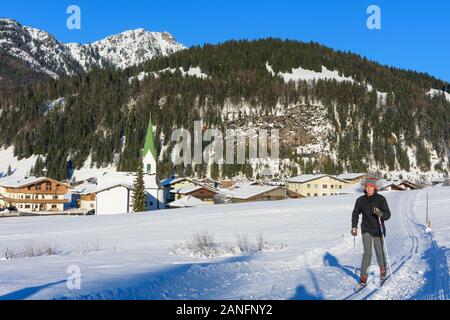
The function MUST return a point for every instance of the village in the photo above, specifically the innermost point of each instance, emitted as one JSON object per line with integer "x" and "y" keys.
{"x": 112, "y": 192}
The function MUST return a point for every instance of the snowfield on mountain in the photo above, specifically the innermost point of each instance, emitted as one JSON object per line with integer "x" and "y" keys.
{"x": 45, "y": 54}
{"x": 292, "y": 249}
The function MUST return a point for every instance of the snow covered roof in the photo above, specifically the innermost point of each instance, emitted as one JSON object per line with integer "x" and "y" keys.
{"x": 22, "y": 182}
{"x": 85, "y": 188}
{"x": 129, "y": 187}
{"x": 408, "y": 184}
{"x": 308, "y": 177}
{"x": 187, "y": 201}
{"x": 109, "y": 179}
{"x": 249, "y": 191}
{"x": 247, "y": 183}
{"x": 388, "y": 183}
{"x": 178, "y": 180}
{"x": 351, "y": 176}
{"x": 189, "y": 189}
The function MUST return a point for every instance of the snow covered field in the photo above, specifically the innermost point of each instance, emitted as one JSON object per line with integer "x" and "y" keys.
{"x": 309, "y": 252}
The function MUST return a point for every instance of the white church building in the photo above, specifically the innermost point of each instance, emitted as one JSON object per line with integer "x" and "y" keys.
{"x": 114, "y": 193}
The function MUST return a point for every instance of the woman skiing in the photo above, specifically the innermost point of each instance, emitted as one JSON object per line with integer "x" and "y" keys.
{"x": 374, "y": 208}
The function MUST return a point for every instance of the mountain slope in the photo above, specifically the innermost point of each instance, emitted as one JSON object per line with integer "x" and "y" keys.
{"x": 29, "y": 48}
{"x": 336, "y": 112}
{"x": 36, "y": 49}
{"x": 124, "y": 50}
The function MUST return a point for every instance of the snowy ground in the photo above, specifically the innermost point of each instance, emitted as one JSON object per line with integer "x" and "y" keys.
{"x": 310, "y": 254}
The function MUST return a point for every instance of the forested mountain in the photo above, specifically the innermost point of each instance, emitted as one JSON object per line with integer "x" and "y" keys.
{"x": 336, "y": 111}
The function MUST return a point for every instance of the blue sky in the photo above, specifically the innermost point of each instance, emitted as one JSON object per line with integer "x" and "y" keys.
{"x": 414, "y": 35}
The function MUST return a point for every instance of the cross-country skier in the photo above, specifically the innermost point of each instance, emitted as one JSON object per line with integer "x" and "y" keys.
{"x": 372, "y": 206}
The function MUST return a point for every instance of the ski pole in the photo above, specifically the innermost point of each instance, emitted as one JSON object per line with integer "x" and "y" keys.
{"x": 384, "y": 247}
{"x": 354, "y": 250}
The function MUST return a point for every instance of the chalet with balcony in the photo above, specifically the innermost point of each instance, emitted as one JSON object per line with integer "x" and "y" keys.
{"x": 32, "y": 194}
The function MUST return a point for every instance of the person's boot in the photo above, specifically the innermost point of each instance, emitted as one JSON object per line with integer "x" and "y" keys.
{"x": 382, "y": 273}
{"x": 362, "y": 283}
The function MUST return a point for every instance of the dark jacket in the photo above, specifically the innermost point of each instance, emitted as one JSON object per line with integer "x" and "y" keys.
{"x": 365, "y": 205}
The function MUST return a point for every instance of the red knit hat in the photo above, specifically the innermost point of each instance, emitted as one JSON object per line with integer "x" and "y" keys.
{"x": 371, "y": 182}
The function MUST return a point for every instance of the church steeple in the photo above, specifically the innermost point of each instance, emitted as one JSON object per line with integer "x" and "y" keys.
{"x": 149, "y": 152}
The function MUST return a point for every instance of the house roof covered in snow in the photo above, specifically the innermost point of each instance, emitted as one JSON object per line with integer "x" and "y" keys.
{"x": 187, "y": 189}
{"x": 249, "y": 191}
{"x": 186, "y": 202}
{"x": 24, "y": 181}
{"x": 127, "y": 186}
{"x": 351, "y": 176}
{"x": 109, "y": 179}
{"x": 311, "y": 177}
{"x": 190, "y": 189}
{"x": 85, "y": 188}
{"x": 384, "y": 184}
{"x": 178, "y": 180}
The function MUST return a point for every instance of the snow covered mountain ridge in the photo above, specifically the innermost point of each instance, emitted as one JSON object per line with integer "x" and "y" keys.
{"x": 124, "y": 50}
{"x": 43, "y": 53}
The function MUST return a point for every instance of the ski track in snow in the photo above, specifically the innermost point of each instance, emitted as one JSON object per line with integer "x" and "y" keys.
{"x": 419, "y": 265}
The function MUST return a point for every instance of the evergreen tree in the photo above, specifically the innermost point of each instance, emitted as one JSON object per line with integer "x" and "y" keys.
{"x": 139, "y": 195}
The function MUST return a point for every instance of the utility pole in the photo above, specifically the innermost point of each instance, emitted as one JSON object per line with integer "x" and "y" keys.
{"x": 285, "y": 188}
{"x": 428, "y": 217}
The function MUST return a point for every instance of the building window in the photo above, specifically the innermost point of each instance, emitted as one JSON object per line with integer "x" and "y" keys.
{"x": 149, "y": 168}
{"x": 55, "y": 197}
{"x": 27, "y": 206}
{"x": 324, "y": 194}
{"x": 340, "y": 187}
{"x": 316, "y": 195}
{"x": 38, "y": 187}
{"x": 325, "y": 186}
{"x": 308, "y": 185}
{"x": 309, "y": 194}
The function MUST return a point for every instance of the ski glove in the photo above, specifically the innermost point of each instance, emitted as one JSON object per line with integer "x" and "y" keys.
{"x": 354, "y": 232}
{"x": 378, "y": 212}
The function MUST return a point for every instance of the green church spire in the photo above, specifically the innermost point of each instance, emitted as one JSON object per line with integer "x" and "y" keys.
{"x": 149, "y": 143}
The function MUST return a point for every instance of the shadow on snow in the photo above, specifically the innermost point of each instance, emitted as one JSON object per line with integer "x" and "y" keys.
{"x": 436, "y": 277}
{"x": 329, "y": 260}
{"x": 28, "y": 292}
